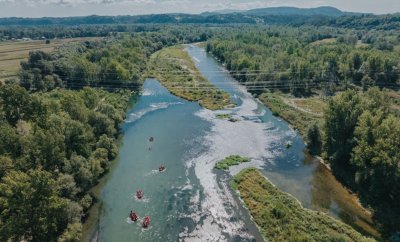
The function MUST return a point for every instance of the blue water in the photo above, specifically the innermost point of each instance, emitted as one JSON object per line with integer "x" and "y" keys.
{"x": 173, "y": 199}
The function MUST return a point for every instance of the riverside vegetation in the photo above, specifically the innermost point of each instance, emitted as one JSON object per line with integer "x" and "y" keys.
{"x": 353, "y": 134}
{"x": 232, "y": 160}
{"x": 280, "y": 217}
{"x": 177, "y": 72}
{"x": 56, "y": 143}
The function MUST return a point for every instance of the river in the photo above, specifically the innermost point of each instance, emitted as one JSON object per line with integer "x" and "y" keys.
{"x": 190, "y": 201}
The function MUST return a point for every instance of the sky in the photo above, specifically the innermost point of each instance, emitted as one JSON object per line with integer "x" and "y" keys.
{"x": 62, "y": 8}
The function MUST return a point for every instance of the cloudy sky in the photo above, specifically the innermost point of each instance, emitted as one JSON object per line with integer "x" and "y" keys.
{"x": 39, "y": 8}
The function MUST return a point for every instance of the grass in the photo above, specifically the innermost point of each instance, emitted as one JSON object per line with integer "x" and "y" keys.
{"x": 300, "y": 114}
{"x": 13, "y": 52}
{"x": 174, "y": 68}
{"x": 325, "y": 41}
{"x": 313, "y": 104}
{"x": 281, "y": 217}
{"x": 227, "y": 117}
{"x": 224, "y": 116}
{"x": 232, "y": 160}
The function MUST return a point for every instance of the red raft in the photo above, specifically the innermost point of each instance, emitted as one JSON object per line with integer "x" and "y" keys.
{"x": 133, "y": 216}
{"x": 139, "y": 194}
{"x": 146, "y": 222}
{"x": 161, "y": 168}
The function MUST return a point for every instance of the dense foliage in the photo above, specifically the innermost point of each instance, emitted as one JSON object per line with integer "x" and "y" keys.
{"x": 102, "y": 25}
{"x": 360, "y": 131}
{"x": 282, "y": 218}
{"x": 110, "y": 62}
{"x": 53, "y": 149}
{"x": 55, "y": 143}
{"x": 362, "y": 140}
{"x": 301, "y": 59}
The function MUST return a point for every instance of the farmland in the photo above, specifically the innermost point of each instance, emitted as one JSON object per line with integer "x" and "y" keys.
{"x": 13, "y": 52}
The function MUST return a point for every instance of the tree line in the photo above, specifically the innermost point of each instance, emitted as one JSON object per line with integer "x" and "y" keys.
{"x": 114, "y": 61}
{"x": 361, "y": 143}
{"x": 360, "y": 133}
{"x": 102, "y": 24}
{"x": 58, "y": 137}
{"x": 54, "y": 147}
{"x": 300, "y": 59}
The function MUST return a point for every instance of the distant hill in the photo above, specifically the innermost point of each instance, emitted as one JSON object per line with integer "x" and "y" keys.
{"x": 325, "y": 11}
{"x": 322, "y": 16}
{"x": 224, "y": 11}
{"x": 138, "y": 19}
{"x": 286, "y": 11}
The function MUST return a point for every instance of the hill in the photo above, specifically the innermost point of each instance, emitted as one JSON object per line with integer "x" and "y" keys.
{"x": 285, "y": 11}
{"x": 325, "y": 11}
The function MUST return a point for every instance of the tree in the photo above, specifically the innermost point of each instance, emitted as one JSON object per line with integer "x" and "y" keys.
{"x": 377, "y": 161}
{"x": 109, "y": 144}
{"x": 341, "y": 117}
{"x": 72, "y": 234}
{"x": 116, "y": 72}
{"x": 31, "y": 207}
{"x": 9, "y": 141}
{"x": 15, "y": 102}
{"x": 314, "y": 139}
{"x": 6, "y": 165}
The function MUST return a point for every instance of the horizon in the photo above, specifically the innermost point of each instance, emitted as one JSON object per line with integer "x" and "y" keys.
{"x": 81, "y": 8}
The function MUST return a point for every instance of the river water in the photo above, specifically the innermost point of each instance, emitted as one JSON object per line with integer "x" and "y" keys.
{"x": 190, "y": 201}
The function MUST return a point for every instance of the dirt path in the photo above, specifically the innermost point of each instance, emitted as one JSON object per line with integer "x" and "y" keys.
{"x": 290, "y": 102}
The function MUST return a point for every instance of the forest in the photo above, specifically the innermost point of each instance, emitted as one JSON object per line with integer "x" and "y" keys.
{"x": 58, "y": 136}
{"x": 362, "y": 140}
{"x": 113, "y": 61}
{"x": 60, "y": 119}
{"x": 359, "y": 133}
{"x": 54, "y": 147}
{"x": 299, "y": 59}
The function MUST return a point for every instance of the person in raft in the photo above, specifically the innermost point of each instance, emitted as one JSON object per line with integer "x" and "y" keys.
{"x": 139, "y": 194}
{"x": 133, "y": 216}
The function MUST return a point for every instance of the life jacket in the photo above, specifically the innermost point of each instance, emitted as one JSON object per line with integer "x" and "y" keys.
{"x": 146, "y": 222}
{"x": 139, "y": 194}
{"x": 133, "y": 217}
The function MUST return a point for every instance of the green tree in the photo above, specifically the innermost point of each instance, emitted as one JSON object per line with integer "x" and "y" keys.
{"x": 377, "y": 161}
{"x": 6, "y": 165}
{"x": 31, "y": 207}
{"x": 15, "y": 102}
{"x": 341, "y": 117}
{"x": 314, "y": 139}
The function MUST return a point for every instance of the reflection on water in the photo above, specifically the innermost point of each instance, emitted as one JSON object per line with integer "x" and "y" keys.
{"x": 292, "y": 170}
{"x": 331, "y": 196}
{"x": 177, "y": 199}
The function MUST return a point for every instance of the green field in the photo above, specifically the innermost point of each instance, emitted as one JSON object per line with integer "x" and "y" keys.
{"x": 174, "y": 68}
{"x": 13, "y": 52}
{"x": 300, "y": 113}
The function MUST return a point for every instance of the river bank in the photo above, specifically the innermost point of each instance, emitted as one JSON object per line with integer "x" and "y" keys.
{"x": 189, "y": 201}
{"x": 174, "y": 68}
{"x": 291, "y": 170}
{"x": 282, "y": 218}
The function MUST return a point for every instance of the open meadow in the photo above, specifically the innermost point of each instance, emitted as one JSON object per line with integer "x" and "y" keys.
{"x": 13, "y": 52}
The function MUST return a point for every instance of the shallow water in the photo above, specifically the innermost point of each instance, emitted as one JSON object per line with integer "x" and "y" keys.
{"x": 189, "y": 201}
